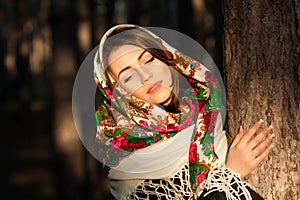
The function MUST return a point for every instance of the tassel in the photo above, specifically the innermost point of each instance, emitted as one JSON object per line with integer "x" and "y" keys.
{"x": 222, "y": 179}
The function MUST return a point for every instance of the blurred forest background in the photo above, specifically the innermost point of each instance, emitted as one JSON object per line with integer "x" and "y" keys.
{"x": 42, "y": 44}
{"x": 255, "y": 44}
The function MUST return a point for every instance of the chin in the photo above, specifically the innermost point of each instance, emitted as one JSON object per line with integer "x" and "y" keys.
{"x": 161, "y": 98}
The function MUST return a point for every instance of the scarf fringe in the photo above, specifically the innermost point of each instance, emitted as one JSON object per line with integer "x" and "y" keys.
{"x": 222, "y": 179}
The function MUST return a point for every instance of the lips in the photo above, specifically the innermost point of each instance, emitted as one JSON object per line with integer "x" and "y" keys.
{"x": 154, "y": 87}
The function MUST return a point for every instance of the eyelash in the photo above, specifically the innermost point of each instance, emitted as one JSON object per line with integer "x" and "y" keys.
{"x": 130, "y": 76}
{"x": 150, "y": 60}
{"x": 127, "y": 78}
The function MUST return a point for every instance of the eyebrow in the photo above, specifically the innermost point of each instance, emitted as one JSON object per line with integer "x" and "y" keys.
{"x": 126, "y": 68}
{"x": 139, "y": 58}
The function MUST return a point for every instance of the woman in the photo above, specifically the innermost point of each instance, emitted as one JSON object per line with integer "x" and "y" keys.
{"x": 160, "y": 125}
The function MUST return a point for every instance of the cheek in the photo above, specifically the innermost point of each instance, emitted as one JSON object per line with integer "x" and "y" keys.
{"x": 162, "y": 73}
{"x": 140, "y": 93}
{"x": 167, "y": 78}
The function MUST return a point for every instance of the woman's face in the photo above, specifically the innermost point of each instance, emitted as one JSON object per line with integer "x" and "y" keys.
{"x": 142, "y": 75}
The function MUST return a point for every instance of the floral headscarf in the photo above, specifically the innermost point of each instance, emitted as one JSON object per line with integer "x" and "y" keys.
{"x": 126, "y": 123}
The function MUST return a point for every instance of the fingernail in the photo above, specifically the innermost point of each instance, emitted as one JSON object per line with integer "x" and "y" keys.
{"x": 271, "y": 127}
{"x": 272, "y": 135}
{"x": 272, "y": 145}
{"x": 240, "y": 128}
{"x": 261, "y": 120}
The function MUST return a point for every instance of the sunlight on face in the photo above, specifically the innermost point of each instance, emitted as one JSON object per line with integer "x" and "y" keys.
{"x": 142, "y": 75}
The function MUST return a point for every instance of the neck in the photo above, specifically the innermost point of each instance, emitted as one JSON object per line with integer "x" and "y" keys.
{"x": 168, "y": 100}
{"x": 171, "y": 104}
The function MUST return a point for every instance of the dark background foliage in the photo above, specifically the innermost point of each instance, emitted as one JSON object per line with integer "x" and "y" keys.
{"x": 42, "y": 44}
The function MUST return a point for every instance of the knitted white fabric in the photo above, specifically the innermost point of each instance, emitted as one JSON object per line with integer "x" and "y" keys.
{"x": 178, "y": 187}
{"x": 225, "y": 180}
{"x": 175, "y": 187}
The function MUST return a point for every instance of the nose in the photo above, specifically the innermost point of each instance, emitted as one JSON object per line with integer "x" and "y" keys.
{"x": 144, "y": 74}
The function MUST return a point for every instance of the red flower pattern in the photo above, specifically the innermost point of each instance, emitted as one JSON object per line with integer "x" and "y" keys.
{"x": 143, "y": 123}
{"x": 118, "y": 141}
{"x": 109, "y": 93}
{"x": 140, "y": 144}
{"x": 210, "y": 119}
{"x": 201, "y": 177}
{"x": 201, "y": 105}
{"x": 193, "y": 155}
{"x": 207, "y": 119}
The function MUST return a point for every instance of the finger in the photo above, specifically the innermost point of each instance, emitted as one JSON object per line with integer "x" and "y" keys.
{"x": 252, "y": 131}
{"x": 238, "y": 137}
{"x": 262, "y": 156}
{"x": 259, "y": 137}
{"x": 263, "y": 146}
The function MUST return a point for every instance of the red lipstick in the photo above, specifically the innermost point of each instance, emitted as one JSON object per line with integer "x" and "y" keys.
{"x": 154, "y": 87}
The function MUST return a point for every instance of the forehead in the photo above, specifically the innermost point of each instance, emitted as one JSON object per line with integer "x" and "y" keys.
{"x": 122, "y": 51}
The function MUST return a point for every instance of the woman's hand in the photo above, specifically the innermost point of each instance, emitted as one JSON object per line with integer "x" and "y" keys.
{"x": 246, "y": 152}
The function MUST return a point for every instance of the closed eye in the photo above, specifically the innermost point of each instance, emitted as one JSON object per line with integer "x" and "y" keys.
{"x": 128, "y": 78}
{"x": 149, "y": 60}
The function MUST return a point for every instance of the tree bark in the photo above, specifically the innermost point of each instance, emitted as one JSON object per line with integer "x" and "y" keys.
{"x": 261, "y": 60}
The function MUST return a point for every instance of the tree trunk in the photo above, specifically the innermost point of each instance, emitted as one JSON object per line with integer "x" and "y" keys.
{"x": 262, "y": 77}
